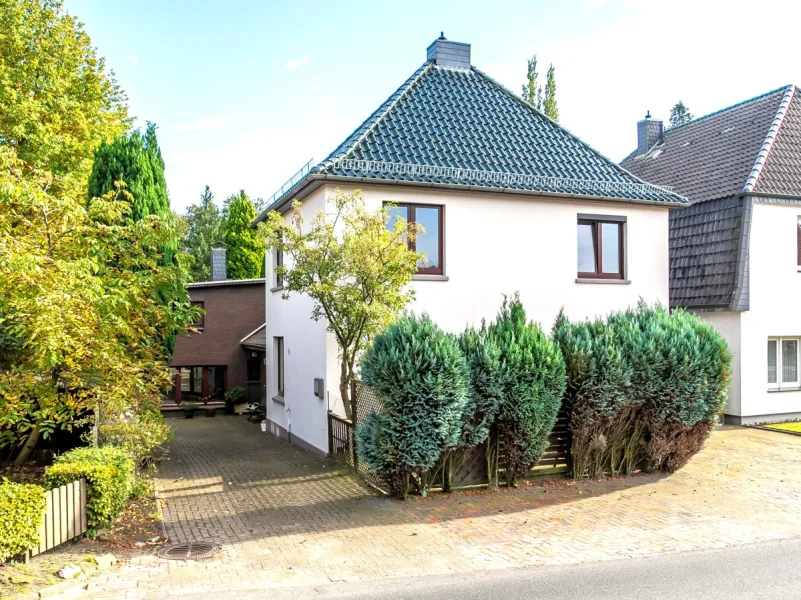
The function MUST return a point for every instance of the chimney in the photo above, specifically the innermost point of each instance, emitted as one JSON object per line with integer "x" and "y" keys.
{"x": 649, "y": 133}
{"x": 449, "y": 54}
{"x": 218, "y": 271}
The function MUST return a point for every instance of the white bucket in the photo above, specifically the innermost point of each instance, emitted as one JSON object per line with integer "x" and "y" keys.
{"x": 264, "y": 425}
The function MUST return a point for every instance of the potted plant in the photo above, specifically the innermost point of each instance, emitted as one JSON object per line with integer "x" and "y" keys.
{"x": 210, "y": 412}
{"x": 189, "y": 409}
{"x": 232, "y": 397}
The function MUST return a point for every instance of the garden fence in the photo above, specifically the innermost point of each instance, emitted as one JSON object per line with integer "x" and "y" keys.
{"x": 471, "y": 464}
{"x": 64, "y": 516}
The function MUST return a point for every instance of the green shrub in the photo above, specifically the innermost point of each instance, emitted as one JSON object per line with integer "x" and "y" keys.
{"x": 21, "y": 509}
{"x": 109, "y": 473}
{"x": 143, "y": 440}
{"x": 422, "y": 378}
{"x": 533, "y": 382}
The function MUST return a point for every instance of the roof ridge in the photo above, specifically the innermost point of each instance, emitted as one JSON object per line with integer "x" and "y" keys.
{"x": 762, "y": 156}
{"x": 733, "y": 106}
{"x": 350, "y": 144}
{"x": 567, "y": 131}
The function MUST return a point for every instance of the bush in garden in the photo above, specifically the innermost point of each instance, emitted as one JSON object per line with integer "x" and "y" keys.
{"x": 484, "y": 401}
{"x": 680, "y": 372}
{"x": 109, "y": 473}
{"x": 422, "y": 377}
{"x": 533, "y": 386}
{"x": 603, "y": 409}
{"x": 21, "y": 509}
{"x": 143, "y": 439}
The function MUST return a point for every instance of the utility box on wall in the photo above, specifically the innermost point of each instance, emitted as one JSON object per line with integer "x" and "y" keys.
{"x": 318, "y": 388}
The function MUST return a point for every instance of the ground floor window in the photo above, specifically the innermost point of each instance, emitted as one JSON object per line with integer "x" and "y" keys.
{"x": 783, "y": 362}
{"x": 197, "y": 383}
{"x": 254, "y": 369}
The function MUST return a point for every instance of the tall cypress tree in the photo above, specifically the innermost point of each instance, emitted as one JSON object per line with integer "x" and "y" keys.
{"x": 134, "y": 158}
{"x": 245, "y": 250}
{"x": 549, "y": 103}
{"x": 541, "y": 98}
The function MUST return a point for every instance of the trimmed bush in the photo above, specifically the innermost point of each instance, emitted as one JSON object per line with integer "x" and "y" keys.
{"x": 21, "y": 509}
{"x": 422, "y": 378}
{"x": 109, "y": 473}
{"x": 533, "y": 386}
{"x": 143, "y": 440}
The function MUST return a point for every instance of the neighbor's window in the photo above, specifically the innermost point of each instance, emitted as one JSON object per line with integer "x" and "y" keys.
{"x": 279, "y": 365}
{"x": 783, "y": 366}
{"x": 600, "y": 248}
{"x": 278, "y": 261}
{"x": 201, "y": 323}
{"x": 254, "y": 369}
{"x": 430, "y": 242}
{"x": 798, "y": 241}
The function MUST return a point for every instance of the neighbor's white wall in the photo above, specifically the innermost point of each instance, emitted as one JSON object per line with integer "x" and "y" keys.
{"x": 305, "y": 352}
{"x": 497, "y": 245}
{"x": 775, "y": 289}
{"x": 729, "y": 324}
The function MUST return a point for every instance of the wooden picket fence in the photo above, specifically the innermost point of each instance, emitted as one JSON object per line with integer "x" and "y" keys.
{"x": 64, "y": 516}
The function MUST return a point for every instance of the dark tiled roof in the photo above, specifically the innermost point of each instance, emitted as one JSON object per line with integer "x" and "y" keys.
{"x": 782, "y": 171}
{"x": 256, "y": 339}
{"x": 710, "y": 157}
{"x": 224, "y": 283}
{"x": 704, "y": 239}
{"x": 460, "y": 127}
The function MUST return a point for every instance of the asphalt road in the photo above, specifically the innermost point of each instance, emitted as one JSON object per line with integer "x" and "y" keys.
{"x": 767, "y": 570}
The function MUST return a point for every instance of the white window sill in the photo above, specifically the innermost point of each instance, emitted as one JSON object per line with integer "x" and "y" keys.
{"x": 279, "y": 400}
{"x": 277, "y": 288}
{"x": 602, "y": 281}
{"x": 424, "y": 277}
{"x": 796, "y": 388}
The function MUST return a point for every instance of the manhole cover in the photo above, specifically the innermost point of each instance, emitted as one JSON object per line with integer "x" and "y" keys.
{"x": 188, "y": 551}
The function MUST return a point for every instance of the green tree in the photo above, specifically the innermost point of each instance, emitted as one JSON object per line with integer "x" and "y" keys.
{"x": 134, "y": 158}
{"x": 541, "y": 98}
{"x": 353, "y": 267}
{"x": 204, "y": 228}
{"x": 423, "y": 380}
{"x": 80, "y": 305}
{"x": 680, "y": 114}
{"x": 534, "y": 382}
{"x": 57, "y": 101}
{"x": 244, "y": 246}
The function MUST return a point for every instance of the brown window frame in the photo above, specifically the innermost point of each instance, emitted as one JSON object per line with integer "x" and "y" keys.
{"x": 201, "y": 324}
{"x": 597, "y": 243}
{"x": 798, "y": 240}
{"x": 279, "y": 366}
{"x": 253, "y": 365}
{"x": 411, "y": 208}
{"x": 279, "y": 262}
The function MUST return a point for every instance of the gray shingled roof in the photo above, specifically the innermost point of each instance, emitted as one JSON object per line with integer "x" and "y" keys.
{"x": 716, "y": 161}
{"x": 454, "y": 126}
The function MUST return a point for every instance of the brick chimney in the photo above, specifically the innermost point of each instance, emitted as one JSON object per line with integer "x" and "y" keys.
{"x": 449, "y": 54}
{"x": 649, "y": 133}
{"x": 218, "y": 270}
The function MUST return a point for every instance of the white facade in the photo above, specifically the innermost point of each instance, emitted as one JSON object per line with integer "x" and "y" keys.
{"x": 494, "y": 244}
{"x": 773, "y": 314}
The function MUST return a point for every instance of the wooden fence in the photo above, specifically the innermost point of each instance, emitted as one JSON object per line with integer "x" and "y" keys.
{"x": 64, "y": 516}
{"x": 471, "y": 464}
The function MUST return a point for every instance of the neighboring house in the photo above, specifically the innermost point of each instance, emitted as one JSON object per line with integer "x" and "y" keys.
{"x": 736, "y": 251}
{"x": 510, "y": 201}
{"x": 227, "y": 351}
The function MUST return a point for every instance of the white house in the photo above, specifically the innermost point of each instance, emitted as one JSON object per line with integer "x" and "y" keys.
{"x": 736, "y": 250}
{"x": 510, "y": 201}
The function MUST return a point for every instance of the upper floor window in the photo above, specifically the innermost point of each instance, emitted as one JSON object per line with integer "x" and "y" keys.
{"x": 201, "y": 323}
{"x": 783, "y": 366}
{"x": 600, "y": 247}
{"x": 798, "y": 241}
{"x": 278, "y": 346}
{"x": 278, "y": 261}
{"x": 430, "y": 242}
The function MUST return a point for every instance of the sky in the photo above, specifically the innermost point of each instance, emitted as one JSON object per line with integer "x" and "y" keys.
{"x": 245, "y": 92}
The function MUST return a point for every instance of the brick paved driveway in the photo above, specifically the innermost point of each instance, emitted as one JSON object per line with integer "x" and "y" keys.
{"x": 289, "y": 518}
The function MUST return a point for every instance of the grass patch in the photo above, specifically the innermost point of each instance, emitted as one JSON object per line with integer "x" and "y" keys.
{"x": 791, "y": 427}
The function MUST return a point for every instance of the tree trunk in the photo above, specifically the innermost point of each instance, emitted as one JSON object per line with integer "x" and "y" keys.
{"x": 30, "y": 444}
{"x": 344, "y": 388}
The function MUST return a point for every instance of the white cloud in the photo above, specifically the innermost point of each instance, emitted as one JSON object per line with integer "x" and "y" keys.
{"x": 595, "y": 4}
{"x": 133, "y": 58}
{"x": 204, "y": 124}
{"x": 294, "y": 65}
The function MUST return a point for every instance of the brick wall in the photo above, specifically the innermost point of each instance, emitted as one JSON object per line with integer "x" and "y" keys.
{"x": 232, "y": 312}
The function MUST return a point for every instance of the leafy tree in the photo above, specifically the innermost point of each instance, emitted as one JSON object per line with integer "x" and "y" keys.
{"x": 534, "y": 382}
{"x": 423, "y": 379}
{"x": 543, "y": 99}
{"x": 244, "y": 246}
{"x": 134, "y": 158}
{"x": 80, "y": 306}
{"x": 680, "y": 114}
{"x": 57, "y": 101}
{"x": 204, "y": 228}
{"x": 355, "y": 270}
